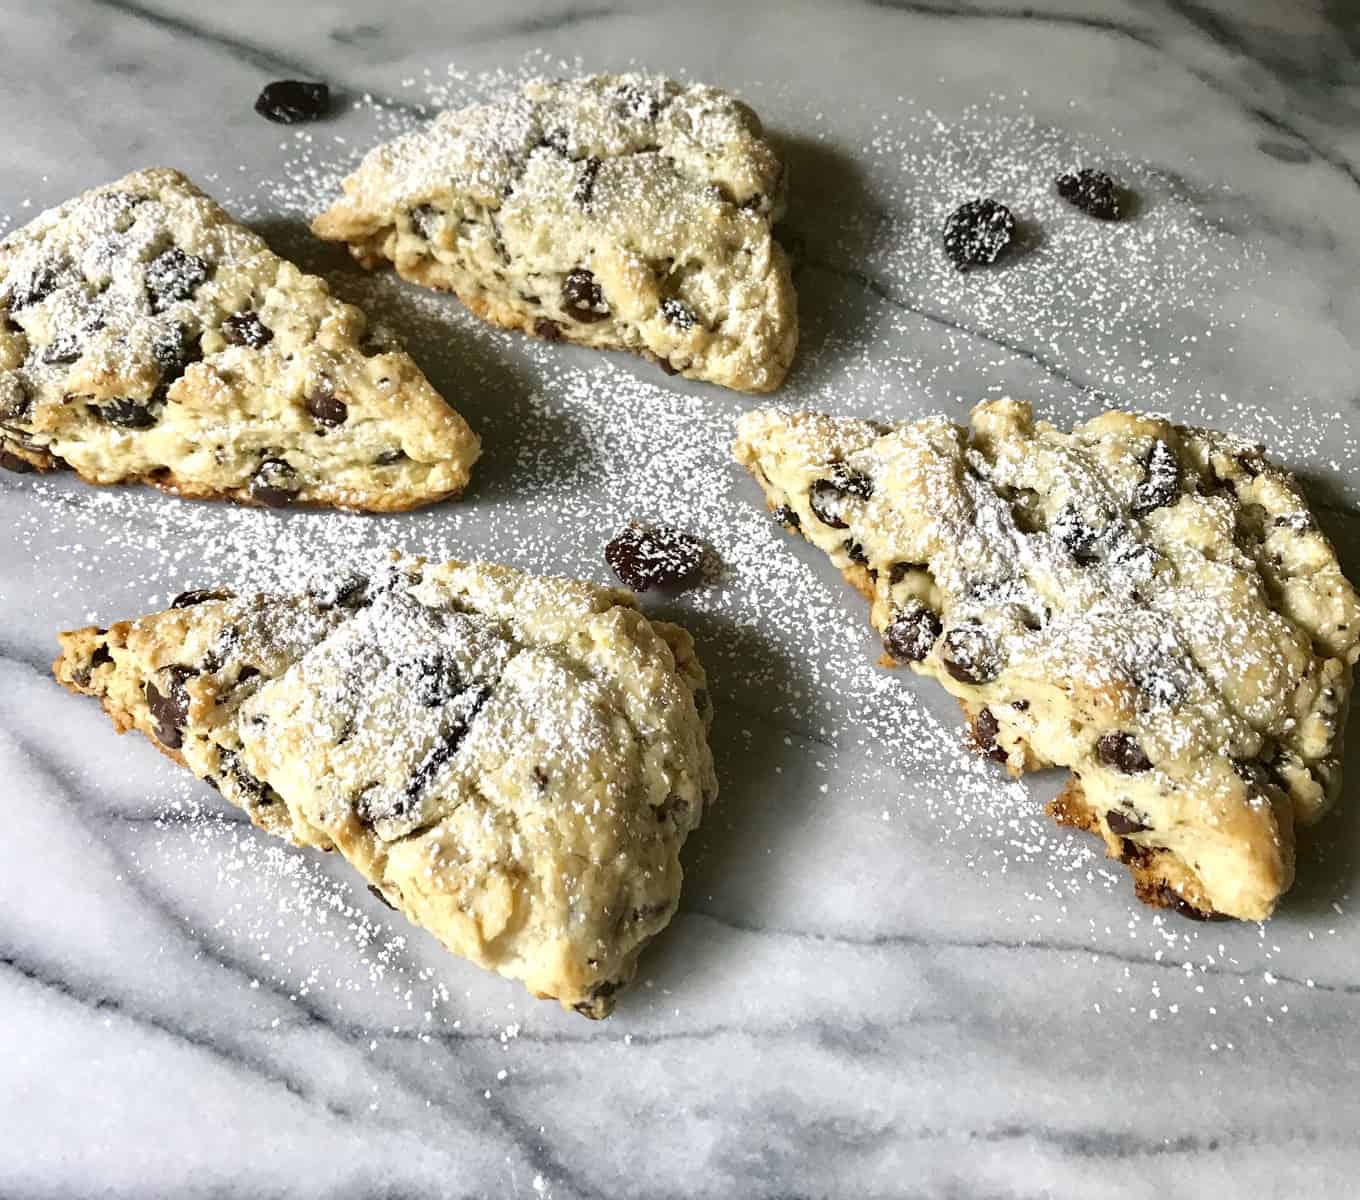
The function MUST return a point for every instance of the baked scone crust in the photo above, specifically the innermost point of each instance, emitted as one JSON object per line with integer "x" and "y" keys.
{"x": 616, "y": 211}
{"x": 513, "y": 761}
{"x": 1150, "y": 605}
{"x": 148, "y": 337}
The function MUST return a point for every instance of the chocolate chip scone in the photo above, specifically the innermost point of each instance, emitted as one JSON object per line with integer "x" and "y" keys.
{"x": 514, "y": 762}
{"x": 1150, "y": 605}
{"x": 623, "y": 212}
{"x": 146, "y": 336}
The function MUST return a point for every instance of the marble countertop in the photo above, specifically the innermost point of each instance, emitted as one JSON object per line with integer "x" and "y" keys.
{"x": 890, "y": 976}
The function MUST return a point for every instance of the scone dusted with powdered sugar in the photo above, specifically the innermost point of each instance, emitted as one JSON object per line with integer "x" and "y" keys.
{"x": 625, "y": 212}
{"x": 146, "y": 336}
{"x": 1150, "y": 605}
{"x": 514, "y": 762}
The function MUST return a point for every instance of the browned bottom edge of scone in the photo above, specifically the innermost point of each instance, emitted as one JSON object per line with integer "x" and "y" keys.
{"x": 24, "y": 460}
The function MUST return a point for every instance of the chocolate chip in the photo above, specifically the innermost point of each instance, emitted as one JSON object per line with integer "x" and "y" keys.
{"x": 169, "y": 708}
{"x": 679, "y": 314}
{"x": 899, "y": 570}
{"x": 911, "y": 633}
{"x": 100, "y": 656}
{"x": 389, "y": 457}
{"x": 45, "y": 278}
{"x": 16, "y": 401}
{"x": 291, "y": 101}
{"x": 12, "y": 462}
{"x": 173, "y": 276}
{"x": 128, "y": 414}
{"x": 347, "y": 589}
{"x": 252, "y": 790}
{"x": 1121, "y": 824}
{"x": 175, "y": 350}
{"x": 971, "y": 654}
{"x": 985, "y": 729}
{"x": 425, "y": 218}
{"x": 591, "y": 1007}
{"x": 672, "y": 808}
{"x": 64, "y": 348}
{"x": 447, "y": 746}
{"x": 787, "y": 517}
{"x": 856, "y": 553}
{"x": 827, "y": 496}
{"x": 1122, "y": 752}
{"x": 582, "y": 298}
{"x": 548, "y": 329}
{"x": 1296, "y": 522}
{"x": 1091, "y": 191}
{"x": 977, "y": 232}
{"x": 1077, "y": 537}
{"x": 666, "y": 367}
{"x": 200, "y": 596}
{"x": 431, "y": 679}
{"x": 585, "y": 182}
{"x": 275, "y": 483}
{"x": 246, "y": 329}
{"x": 634, "y": 102}
{"x": 644, "y": 556}
{"x": 1168, "y": 897}
{"x": 1162, "y": 485}
{"x": 325, "y": 407}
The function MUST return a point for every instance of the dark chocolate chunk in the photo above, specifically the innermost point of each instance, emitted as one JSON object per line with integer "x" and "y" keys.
{"x": 1122, "y": 824}
{"x": 856, "y": 553}
{"x": 912, "y": 632}
{"x": 173, "y": 276}
{"x": 347, "y": 589}
{"x": 174, "y": 351}
{"x": 1168, "y": 897}
{"x": 971, "y": 654}
{"x": 585, "y": 182}
{"x": 324, "y": 406}
{"x": 128, "y": 414}
{"x": 592, "y": 1007}
{"x": 389, "y": 457}
{"x": 1162, "y": 485}
{"x": 100, "y": 656}
{"x": 200, "y": 596}
{"x": 45, "y": 278}
{"x": 252, "y": 790}
{"x": 425, "y": 218}
{"x": 447, "y": 746}
{"x": 1122, "y": 752}
{"x": 634, "y": 102}
{"x": 246, "y": 329}
{"x": 548, "y": 329}
{"x": 898, "y": 571}
{"x": 977, "y": 232}
{"x": 170, "y": 707}
{"x": 985, "y": 729}
{"x": 431, "y": 679}
{"x": 678, "y": 313}
{"x": 647, "y": 556}
{"x": 291, "y": 101}
{"x": 1077, "y": 537}
{"x": 12, "y": 462}
{"x": 275, "y": 483}
{"x": 787, "y": 517}
{"x": 827, "y": 496}
{"x": 1091, "y": 191}
{"x": 62, "y": 349}
{"x": 582, "y": 298}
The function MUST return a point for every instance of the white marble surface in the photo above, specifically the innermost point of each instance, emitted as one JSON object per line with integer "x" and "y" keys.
{"x": 889, "y": 976}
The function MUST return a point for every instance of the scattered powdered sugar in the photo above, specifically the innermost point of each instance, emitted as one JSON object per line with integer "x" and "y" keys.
{"x": 1084, "y": 315}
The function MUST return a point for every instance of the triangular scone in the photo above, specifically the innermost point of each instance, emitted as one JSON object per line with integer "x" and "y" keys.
{"x": 1148, "y": 604}
{"x": 513, "y": 761}
{"x": 625, "y": 212}
{"x": 146, "y": 336}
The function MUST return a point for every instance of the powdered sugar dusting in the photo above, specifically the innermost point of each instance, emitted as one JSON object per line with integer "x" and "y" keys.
{"x": 577, "y": 445}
